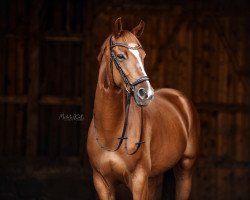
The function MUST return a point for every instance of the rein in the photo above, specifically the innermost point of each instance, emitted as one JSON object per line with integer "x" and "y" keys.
{"x": 131, "y": 86}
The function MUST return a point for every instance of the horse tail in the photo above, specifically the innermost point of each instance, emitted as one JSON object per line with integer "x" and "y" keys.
{"x": 168, "y": 186}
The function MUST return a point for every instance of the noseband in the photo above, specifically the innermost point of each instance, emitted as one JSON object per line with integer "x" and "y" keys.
{"x": 130, "y": 92}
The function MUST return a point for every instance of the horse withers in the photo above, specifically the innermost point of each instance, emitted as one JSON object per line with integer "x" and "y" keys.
{"x": 137, "y": 134}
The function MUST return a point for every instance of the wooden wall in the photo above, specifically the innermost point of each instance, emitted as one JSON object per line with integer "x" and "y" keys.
{"x": 48, "y": 67}
{"x": 42, "y": 76}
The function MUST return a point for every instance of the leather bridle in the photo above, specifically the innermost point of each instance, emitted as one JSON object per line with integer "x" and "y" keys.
{"x": 130, "y": 92}
{"x": 114, "y": 59}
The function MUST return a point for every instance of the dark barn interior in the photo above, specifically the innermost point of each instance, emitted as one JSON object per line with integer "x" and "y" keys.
{"x": 48, "y": 75}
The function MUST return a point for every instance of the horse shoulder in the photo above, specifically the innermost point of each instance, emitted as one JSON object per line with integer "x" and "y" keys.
{"x": 190, "y": 117}
{"x": 182, "y": 104}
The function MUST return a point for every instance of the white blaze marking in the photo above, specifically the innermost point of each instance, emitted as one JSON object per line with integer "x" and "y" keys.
{"x": 137, "y": 55}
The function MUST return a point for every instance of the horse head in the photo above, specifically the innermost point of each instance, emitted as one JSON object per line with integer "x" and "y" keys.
{"x": 126, "y": 67}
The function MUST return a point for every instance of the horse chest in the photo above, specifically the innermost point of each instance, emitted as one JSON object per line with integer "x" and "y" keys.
{"x": 116, "y": 164}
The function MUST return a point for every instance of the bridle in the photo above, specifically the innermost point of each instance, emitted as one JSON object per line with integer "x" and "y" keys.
{"x": 130, "y": 92}
{"x": 114, "y": 59}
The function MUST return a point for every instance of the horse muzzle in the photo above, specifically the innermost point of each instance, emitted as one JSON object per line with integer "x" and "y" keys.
{"x": 143, "y": 94}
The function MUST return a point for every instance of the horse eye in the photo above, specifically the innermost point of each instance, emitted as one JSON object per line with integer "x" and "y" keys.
{"x": 121, "y": 56}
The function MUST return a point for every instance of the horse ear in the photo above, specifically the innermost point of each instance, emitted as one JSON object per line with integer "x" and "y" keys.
{"x": 138, "y": 30}
{"x": 118, "y": 27}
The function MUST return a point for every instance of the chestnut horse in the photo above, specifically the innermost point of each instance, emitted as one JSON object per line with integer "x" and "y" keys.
{"x": 137, "y": 134}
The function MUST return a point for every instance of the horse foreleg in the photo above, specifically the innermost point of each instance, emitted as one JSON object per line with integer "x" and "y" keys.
{"x": 183, "y": 175}
{"x": 104, "y": 189}
{"x": 139, "y": 185}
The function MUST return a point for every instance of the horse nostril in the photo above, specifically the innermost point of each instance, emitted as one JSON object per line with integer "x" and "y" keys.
{"x": 142, "y": 93}
{"x": 150, "y": 97}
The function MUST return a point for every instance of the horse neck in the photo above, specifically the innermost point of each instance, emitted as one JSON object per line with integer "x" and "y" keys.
{"x": 109, "y": 105}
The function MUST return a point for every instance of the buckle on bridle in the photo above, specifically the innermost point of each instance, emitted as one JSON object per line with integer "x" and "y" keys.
{"x": 130, "y": 88}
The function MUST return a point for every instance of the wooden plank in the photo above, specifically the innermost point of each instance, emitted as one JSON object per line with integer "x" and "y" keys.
{"x": 77, "y": 60}
{"x": 57, "y": 18}
{"x": 242, "y": 139}
{"x": 58, "y": 83}
{"x": 14, "y": 36}
{"x": 20, "y": 57}
{"x": 217, "y": 63}
{"x": 87, "y": 45}
{"x": 63, "y": 38}
{"x": 68, "y": 16}
{"x": 54, "y": 132}
{"x": 2, "y": 128}
{"x": 33, "y": 105}
{"x": 202, "y": 62}
{"x": 204, "y": 163}
{"x": 204, "y": 184}
{"x": 56, "y": 100}
{"x": 20, "y": 130}
{"x": 67, "y": 75}
{"x": 3, "y": 20}
{"x": 65, "y": 138}
{"x": 225, "y": 136}
{"x": 223, "y": 107}
{"x": 69, "y": 143}
{"x": 44, "y": 128}
{"x": 224, "y": 180}
{"x": 189, "y": 60}
{"x": 66, "y": 79}
{"x": 197, "y": 65}
{"x": 21, "y": 99}
{"x": 166, "y": 55}
{"x": 187, "y": 56}
{"x": 20, "y": 114}
{"x": 83, "y": 92}
{"x": 156, "y": 23}
{"x": 11, "y": 90}
{"x": 12, "y": 19}
{"x": 3, "y": 69}
{"x": 208, "y": 60}
{"x": 2, "y": 66}
{"x": 241, "y": 183}
{"x": 209, "y": 142}
{"x": 78, "y": 16}
{"x": 192, "y": 25}
{"x": 21, "y": 79}
{"x": 224, "y": 35}
{"x": 87, "y": 72}
{"x": 150, "y": 61}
